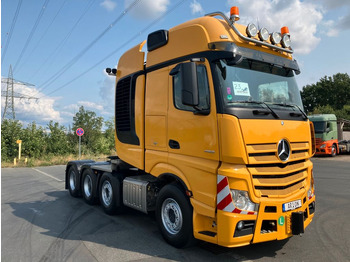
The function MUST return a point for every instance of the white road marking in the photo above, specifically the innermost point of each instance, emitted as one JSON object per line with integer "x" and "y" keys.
{"x": 46, "y": 174}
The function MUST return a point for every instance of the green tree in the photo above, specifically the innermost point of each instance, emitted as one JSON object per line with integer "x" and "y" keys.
{"x": 110, "y": 134}
{"x": 333, "y": 91}
{"x": 57, "y": 140}
{"x": 34, "y": 141}
{"x": 11, "y": 131}
{"x": 92, "y": 125}
{"x": 324, "y": 110}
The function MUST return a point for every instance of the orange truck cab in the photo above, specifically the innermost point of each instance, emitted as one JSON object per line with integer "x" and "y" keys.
{"x": 210, "y": 134}
{"x": 326, "y": 133}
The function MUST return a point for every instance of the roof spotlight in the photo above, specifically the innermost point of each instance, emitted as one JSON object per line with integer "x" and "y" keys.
{"x": 286, "y": 41}
{"x": 285, "y": 37}
{"x": 275, "y": 38}
{"x": 263, "y": 34}
{"x": 251, "y": 30}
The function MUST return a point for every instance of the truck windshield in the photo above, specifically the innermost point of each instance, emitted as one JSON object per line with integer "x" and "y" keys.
{"x": 320, "y": 127}
{"x": 255, "y": 84}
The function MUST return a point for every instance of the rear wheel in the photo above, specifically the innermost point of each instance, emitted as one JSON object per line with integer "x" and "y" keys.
{"x": 89, "y": 186}
{"x": 73, "y": 181}
{"x": 334, "y": 150}
{"x": 110, "y": 194}
{"x": 174, "y": 216}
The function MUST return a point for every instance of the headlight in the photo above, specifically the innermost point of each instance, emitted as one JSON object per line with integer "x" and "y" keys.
{"x": 310, "y": 192}
{"x": 263, "y": 34}
{"x": 323, "y": 146}
{"x": 251, "y": 30}
{"x": 275, "y": 38}
{"x": 242, "y": 201}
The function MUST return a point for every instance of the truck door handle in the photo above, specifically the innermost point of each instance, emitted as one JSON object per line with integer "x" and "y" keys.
{"x": 174, "y": 144}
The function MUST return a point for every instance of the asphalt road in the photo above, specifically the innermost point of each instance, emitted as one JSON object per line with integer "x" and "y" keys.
{"x": 41, "y": 222}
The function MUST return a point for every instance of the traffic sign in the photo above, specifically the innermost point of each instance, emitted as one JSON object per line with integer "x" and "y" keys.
{"x": 79, "y": 131}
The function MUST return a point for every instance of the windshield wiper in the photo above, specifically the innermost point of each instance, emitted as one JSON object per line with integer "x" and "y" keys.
{"x": 293, "y": 106}
{"x": 272, "y": 112}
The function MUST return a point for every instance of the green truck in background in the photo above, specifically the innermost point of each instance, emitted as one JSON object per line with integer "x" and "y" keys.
{"x": 326, "y": 132}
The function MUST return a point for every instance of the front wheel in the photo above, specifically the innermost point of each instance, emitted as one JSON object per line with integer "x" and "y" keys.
{"x": 174, "y": 216}
{"x": 334, "y": 150}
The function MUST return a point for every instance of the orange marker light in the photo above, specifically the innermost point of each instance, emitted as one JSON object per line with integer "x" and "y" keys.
{"x": 284, "y": 30}
{"x": 234, "y": 13}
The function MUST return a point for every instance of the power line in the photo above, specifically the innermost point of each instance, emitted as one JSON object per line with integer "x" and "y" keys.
{"x": 53, "y": 78}
{"x": 120, "y": 47}
{"x": 64, "y": 40}
{"x": 43, "y": 35}
{"x": 31, "y": 33}
{"x": 14, "y": 20}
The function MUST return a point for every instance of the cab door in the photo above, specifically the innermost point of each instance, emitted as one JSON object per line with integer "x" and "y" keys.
{"x": 193, "y": 134}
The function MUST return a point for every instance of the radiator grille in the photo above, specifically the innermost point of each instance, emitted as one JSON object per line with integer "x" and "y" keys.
{"x": 273, "y": 178}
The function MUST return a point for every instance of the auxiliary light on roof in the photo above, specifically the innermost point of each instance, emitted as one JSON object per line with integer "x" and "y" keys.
{"x": 275, "y": 38}
{"x": 263, "y": 34}
{"x": 285, "y": 37}
{"x": 234, "y": 13}
{"x": 252, "y": 30}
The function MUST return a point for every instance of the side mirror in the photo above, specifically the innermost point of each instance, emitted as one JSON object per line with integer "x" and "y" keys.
{"x": 187, "y": 72}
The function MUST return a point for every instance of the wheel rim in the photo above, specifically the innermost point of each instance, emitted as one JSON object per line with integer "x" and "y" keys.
{"x": 333, "y": 150}
{"x": 72, "y": 179}
{"x": 171, "y": 216}
{"x": 107, "y": 193}
{"x": 87, "y": 186}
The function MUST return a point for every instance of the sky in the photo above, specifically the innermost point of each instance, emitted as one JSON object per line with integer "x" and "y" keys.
{"x": 61, "y": 47}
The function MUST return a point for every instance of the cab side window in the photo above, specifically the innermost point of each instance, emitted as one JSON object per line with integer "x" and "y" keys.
{"x": 202, "y": 79}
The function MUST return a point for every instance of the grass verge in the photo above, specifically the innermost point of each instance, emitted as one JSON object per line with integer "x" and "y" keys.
{"x": 50, "y": 160}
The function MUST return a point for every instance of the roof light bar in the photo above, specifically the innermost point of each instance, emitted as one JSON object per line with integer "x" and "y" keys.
{"x": 252, "y": 31}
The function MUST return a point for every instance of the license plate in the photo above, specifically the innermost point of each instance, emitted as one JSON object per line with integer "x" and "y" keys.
{"x": 291, "y": 205}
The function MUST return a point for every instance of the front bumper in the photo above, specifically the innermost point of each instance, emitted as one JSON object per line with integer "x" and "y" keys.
{"x": 271, "y": 223}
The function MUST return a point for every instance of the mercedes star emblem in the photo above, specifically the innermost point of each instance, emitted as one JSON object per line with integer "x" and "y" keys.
{"x": 283, "y": 150}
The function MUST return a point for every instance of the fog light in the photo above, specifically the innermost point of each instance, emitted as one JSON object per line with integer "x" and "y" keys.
{"x": 240, "y": 225}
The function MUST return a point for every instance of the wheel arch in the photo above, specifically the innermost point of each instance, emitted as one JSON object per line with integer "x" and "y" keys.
{"x": 169, "y": 178}
{"x": 170, "y": 173}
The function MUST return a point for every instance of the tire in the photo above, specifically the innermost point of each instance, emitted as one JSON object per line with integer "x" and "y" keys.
{"x": 73, "y": 181}
{"x": 88, "y": 187}
{"x": 174, "y": 216}
{"x": 334, "y": 150}
{"x": 110, "y": 194}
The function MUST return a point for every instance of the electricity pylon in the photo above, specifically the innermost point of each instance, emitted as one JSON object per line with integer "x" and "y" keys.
{"x": 10, "y": 95}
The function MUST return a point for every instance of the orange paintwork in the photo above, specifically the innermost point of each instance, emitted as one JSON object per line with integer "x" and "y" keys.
{"x": 327, "y": 150}
{"x": 241, "y": 149}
